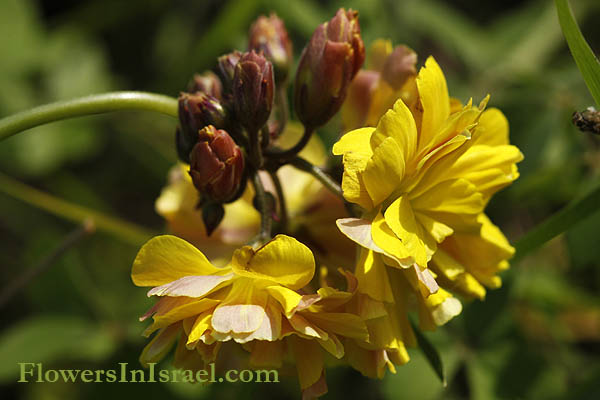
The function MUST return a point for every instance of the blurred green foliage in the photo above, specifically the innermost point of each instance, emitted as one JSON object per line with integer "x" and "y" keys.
{"x": 537, "y": 337}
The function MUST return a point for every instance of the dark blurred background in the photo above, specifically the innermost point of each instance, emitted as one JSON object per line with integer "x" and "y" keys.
{"x": 536, "y": 338}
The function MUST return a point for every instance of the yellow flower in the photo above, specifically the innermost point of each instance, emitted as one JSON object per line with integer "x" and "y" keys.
{"x": 423, "y": 177}
{"x": 421, "y": 174}
{"x": 254, "y": 301}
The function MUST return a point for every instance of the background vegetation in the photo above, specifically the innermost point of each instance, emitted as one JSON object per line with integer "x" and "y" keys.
{"x": 537, "y": 337}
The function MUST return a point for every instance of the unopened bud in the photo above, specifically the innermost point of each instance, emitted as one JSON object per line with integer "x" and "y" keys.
{"x": 195, "y": 112}
{"x": 399, "y": 67}
{"x": 207, "y": 82}
{"x": 270, "y": 36}
{"x": 226, "y": 65}
{"x": 327, "y": 65}
{"x": 253, "y": 89}
{"x": 216, "y": 165}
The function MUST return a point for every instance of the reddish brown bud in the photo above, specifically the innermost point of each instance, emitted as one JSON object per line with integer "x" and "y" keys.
{"x": 207, "y": 82}
{"x": 195, "y": 112}
{"x": 327, "y": 65}
{"x": 226, "y": 65}
{"x": 216, "y": 165}
{"x": 270, "y": 36}
{"x": 253, "y": 89}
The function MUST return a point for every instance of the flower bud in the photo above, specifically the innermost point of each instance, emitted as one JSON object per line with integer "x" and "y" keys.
{"x": 253, "y": 89}
{"x": 216, "y": 165}
{"x": 327, "y": 65}
{"x": 270, "y": 36}
{"x": 195, "y": 112}
{"x": 207, "y": 82}
{"x": 226, "y": 66}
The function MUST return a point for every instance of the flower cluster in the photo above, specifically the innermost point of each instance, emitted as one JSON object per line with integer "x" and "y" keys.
{"x": 303, "y": 270}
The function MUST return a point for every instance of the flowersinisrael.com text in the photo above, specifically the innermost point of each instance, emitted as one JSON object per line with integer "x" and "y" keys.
{"x": 35, "y": 372}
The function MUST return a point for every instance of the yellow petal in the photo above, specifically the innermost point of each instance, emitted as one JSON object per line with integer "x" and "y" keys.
{"x": 288, "y": 299}
{"x": 353, "y": 185}
{"x": 179, "y": 313}
{"x": 356, "y": 141}
{"x": 372, "y": 276}
{"x": 309, "y": 360}
{"x": 492, "y": 129}
{"x": 433, "y": 94}
{"x": 283, "y": 260}
{"x": 399, "y": 124}
{"x": 344, "y": 324}
{"x": 457, "y": 196}
{"x": 164, "y": 259}
{"x": 438, "y": 230}
{"x": 384, "y": 171}
{"x": 201, "y": 324}
{"x": 386, "y": 239}
{"x": 400, "y": 218}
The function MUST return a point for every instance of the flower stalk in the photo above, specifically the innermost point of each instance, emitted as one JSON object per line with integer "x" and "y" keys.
{"x": 88, "y": 105}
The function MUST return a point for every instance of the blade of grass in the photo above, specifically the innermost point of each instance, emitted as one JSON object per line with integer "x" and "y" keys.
{"x": 558, "y": 223}
{"x": 582, "y": 53}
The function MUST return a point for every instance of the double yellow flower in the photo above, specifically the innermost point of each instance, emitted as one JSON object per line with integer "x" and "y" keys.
{"x": 421, "y": 179}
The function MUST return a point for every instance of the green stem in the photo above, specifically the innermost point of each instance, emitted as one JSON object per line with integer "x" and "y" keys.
{"x": 319, "y": 174}
{"x": 283, "y": 213}
{"x": 128, "y": 232}
{"x": 286, "y": 155}
{"x": 89, "y": 105}
{"x": 265, "y": 212}
{"x": 558, "y": 223}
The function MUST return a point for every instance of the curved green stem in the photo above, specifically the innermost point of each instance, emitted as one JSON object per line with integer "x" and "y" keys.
{"x": 319, "y": 174}
{"x": 94, "y": 104}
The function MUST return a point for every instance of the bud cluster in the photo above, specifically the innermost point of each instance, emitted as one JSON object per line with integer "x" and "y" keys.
{"x": 230, "y": 119}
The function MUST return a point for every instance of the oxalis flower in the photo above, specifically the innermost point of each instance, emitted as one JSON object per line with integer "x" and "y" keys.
{"x": 422, "y": 178}
{"x": 255, "y": 301}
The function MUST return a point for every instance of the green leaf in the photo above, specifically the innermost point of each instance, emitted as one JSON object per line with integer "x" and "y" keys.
{"x": 431, "y": 353}
{"x": 575, "y": 212}
{"x": 582, "y": 53}
{"x": 46, "y": 339}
